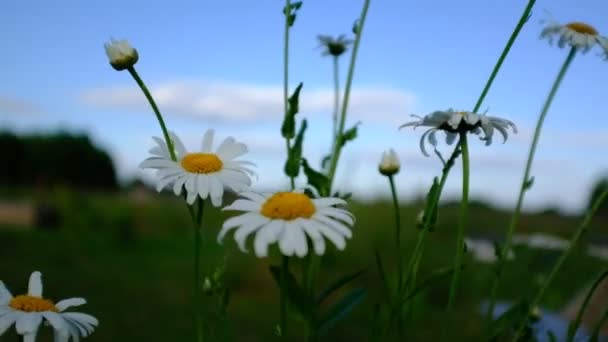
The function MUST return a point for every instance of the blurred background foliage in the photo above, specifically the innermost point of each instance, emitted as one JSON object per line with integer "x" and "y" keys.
{"x": 128, "y": 250}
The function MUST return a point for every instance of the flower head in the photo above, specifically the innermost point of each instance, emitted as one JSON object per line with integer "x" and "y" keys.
{"x": 389, "y": 164}
{"x": 334, "y": 47}
{"x": 203, "y": 174}
{"x": 484, "y": 251}
{"x": 575, "y": 34}
{"x": 453, "y": 122}
{"x": 121, "y": 54}
{"x": 288, "y": 218}
{"x": 29, "y": 310}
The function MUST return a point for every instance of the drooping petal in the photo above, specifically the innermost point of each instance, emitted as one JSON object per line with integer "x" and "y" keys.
{"x": 5, "y": 294}
{"x": 244, "y": 205}
{"x": 328, "y": 202}
{"x": 232, "y": 151}
{"x": 28, "y": 323}
{"x": 7, "y": 320}
{"x": 70, "y": 302}
{"x": 56, "y": 321}
{"x": 35, "y": 284}
{"x": 335, "y": 225}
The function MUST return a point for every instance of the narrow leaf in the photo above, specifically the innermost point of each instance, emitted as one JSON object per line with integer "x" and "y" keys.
{"x": 316, "y": 179}
{"x": 341, "y": 309}
{"x": 288, "y": 128}
{"x": 349, "y": 135}
{"x": 336, "y": 285}
{"x": 292, "y": 165}
{"x": 432, "y": 278}
{"x": 382, "y": 275}
{"x": 295, "y": 294}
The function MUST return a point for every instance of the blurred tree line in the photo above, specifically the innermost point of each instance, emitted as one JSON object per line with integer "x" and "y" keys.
{"x": 59, "y": 158}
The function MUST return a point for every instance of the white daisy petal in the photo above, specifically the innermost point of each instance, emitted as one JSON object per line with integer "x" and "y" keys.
{"x": 157, "y": 163}
{"x": 203, "y": 186}
{"x": 56, "y": 321}
{"x": 266, "y": 235}
{"x": 240, "y": 236}
{"x": 178, "y": 145}
{"x": 179, "y": 184}
{"x": 335, "y": 225}
{"x": 7, "y": 320}
{"x": 34, "y": 287}
{"x": 328, "y": 202}
{"x": 28, "y": 323}
{"x": 243, "y": 205}
{"x": 207, "y": 143}
{"x": 233, "y": 151}
{"x": 339, "y": 214}
{"x": 5, "y": 294}
{"x": 335, "y": 238}
{"x": 62, "y": 336}
{"x": 315, "y": 236}
{"x": 70, "y": 302}
{"x": 216, "y": 191}
{"x": 299, "y": 242}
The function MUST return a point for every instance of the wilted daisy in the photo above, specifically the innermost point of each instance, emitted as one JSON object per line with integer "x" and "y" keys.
{"x": 203, "y": 174}
{"x": 541, "y": 241}
{"x": 29, "y": 310}
{"x": 453, "y": 122}
{"x": 575, "y": 34}
{"x": 288, "y": 218}
{"x": 334, "y": 47}
{"x": 389, "y": 164}
{"x": 121, "y": 54}
{"x": 484, "y": 251}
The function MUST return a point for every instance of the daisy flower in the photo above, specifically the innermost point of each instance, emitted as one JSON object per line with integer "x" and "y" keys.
{"x": 453, "y": 122}
{"x": 203, "y": 174}
{"x": 29, "y": 310}
{"x": 288, "y": 218}
{"x": 389, "y": 163}
{"x": 576, "y": 34}
{"x": 484, "y": 251}
{"x": 121, "y": 54}
{"x": 334, "y": 47}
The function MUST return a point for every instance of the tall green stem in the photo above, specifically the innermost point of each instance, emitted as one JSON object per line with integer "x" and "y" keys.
{"x": 391, "y": 181}
{"x": 336, "y": 100}
{"x": 159, "y": 117}
{"x": 582, "y": 229}
{"x": 349, "y": 80}
{"x": 526, "y": 181}
{"x": 198, "y": 238}
{"x": 462, "y": 221}
{"x": 579, "y": 316}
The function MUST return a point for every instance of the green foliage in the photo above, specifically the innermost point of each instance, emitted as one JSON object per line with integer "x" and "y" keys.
{"x": 349, "y": 135}
{"x": 292, "y": 165}
{"x": 291, "y": 12}
{"x": 316, "y": 179}
{"x": 288, "y": 128}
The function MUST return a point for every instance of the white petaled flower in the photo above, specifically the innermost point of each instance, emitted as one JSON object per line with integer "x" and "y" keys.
{"x": 541, "y": 241}
{"x": 28, "y": 311}
{"x": 121, "y": 54}
{"x": 453, "y": 122}
{"x": 576, "y": 34}
{"x": 484, "y": 251}
{"x": 288, "y": 218}
{"x": 334, "y": 47}
{"x": 389, "y": 164}
{"x": 203, "y": 174}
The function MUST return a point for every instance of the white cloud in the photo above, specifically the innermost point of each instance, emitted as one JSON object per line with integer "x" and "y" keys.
{"x": 235, "y": 102}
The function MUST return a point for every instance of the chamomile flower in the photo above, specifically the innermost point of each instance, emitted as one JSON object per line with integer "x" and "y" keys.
{"x": 121, "y": 54}
{"x": 28, "y": 311}
{"x": 484, "y": 251}
{"x": 575, "y": 34}
{"x": 453, "y": 122}
{"x": 334, "y": 47}
{"x": 203, "y": 174}
{"x": 287, "y": 218}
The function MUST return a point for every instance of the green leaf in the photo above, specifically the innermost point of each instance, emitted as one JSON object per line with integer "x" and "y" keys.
{"x": 432, "y": 278}
{"x": 528, "y": 184}
{"x": 295, "y": 294}
{"x": 336, "y": 285}
{"x": 355, "y": 28}
{"x": 325, "y": 162}
{"x": 349, "y": 135}
{"x": 430, "y": 215}
{"x": 382, "y": 275}
{"x": 339, "y": 310}
{"x": 316, "y": 179}
{"x": 509, "y": 319}
{"x": 292, "y": 165}
{"x": 291, "y": 12}
{"x": 288, "y": 129}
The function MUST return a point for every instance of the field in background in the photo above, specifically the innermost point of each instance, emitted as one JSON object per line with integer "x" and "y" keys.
{"x": 130, "y": 256}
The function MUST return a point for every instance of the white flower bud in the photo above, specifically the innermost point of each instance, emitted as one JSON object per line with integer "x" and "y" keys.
{"x": 121, "y": 54}
{"x": 389, "y": 164}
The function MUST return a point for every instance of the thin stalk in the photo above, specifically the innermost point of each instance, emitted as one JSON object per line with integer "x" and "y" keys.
{"x": 522, "y": 20}
{"x": 349, "y": 80}
{"x": 462, "y": 221}
{"x": 197, "y": 270}
{"x": 334, "y": 131}
{"x": 285, "y": 259}
{"x": 582, "y": 229}
{"x": 577, "y": 321}
{"x": 391, "y": 181}
{"x": 159, "y": 117}
{"x": 525, "y": 184}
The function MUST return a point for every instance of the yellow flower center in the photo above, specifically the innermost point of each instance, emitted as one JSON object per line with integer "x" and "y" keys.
{"x": 29, "y": 303}
{"x": 288, "y": 206}
{"x": 202, "y": 163}
{"x": 582, "y": 28}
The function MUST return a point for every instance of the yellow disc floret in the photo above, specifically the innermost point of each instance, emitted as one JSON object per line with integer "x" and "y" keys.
{"x": 201, "y": 163}
{"x": 32, "y": 304}
{"x": 288, "y": 206}
{"x": 582, "y": 28}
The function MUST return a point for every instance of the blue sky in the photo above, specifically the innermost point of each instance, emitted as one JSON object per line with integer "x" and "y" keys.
{"x": 218, "y": 64}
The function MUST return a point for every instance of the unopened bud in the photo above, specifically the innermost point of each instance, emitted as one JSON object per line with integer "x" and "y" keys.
{"x": 389, "y": 164}
{"x": 121, "y": 54}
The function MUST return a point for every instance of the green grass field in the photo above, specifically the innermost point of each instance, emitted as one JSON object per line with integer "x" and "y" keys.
{"x": 132, "y": 261}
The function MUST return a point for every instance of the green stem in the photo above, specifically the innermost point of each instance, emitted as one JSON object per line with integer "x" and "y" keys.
{"x": 159, "y": 117}
{"x": 462, "y": 222}
{"x": 336, "y": 100}
{"x": 286, "y": 76}
{"x": 577, "y": 321}
{"x": 197, "y": 269}
{"x": 391, "y": 181}
{"x": 283, "y": 313}
{"x": 349, "y": 80}
{"x": 522, "y": 20}
{"x": 525, "y": 184}
{"x": 582, "y": 229}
